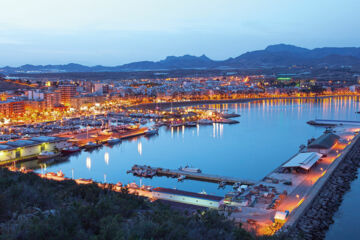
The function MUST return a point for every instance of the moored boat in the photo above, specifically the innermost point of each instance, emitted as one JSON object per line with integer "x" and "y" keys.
{"x": 205, "y": 122}
{"x": 91, "y": 145}
{"x": 113, "y": 140}
{"x": 84, "y": 181}
{"x": 48, "y": 155}
{"x": 69, "y": 150}
{"x": 191, "y": 124}
{"x": 151, "y": 131}
{"x": 59, "y": 176}
{"x": 190, "y": 169}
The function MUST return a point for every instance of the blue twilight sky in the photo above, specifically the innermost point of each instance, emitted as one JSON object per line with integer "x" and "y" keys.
{"x": 114, "y": 32}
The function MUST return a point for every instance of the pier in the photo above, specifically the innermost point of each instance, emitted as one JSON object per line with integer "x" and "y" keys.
{"x": 149, "y": 172}
{"x": 330, "y": 122}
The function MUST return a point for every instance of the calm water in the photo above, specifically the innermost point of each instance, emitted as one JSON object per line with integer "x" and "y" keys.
{"x": 269, "y": 132}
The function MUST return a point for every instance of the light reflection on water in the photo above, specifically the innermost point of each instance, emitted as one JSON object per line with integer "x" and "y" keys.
{"x": 269, "y": 132}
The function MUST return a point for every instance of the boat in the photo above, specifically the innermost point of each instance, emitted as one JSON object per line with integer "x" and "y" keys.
{"x": 113, "y": 140}
{"x": 316, "y": 123}
{"x": 205, "y": 122}
{"x": 84, "y": 181}
{"x": 190, "y": 169}
{"x": 191, "y": 124}
{"x": 118, "y": 186}
{"x": 69, "y": 150}
{"x": 59, "y": 176}
{"x": 91, "y": 145}
{"x": 151, "y": 131}
{"x": 48, "y": 155}
{"x": 229, "y": 115}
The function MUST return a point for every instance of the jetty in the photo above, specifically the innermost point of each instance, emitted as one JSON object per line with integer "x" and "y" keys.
{"x": 332, "y": 123}
{"x": 149, "y": 172}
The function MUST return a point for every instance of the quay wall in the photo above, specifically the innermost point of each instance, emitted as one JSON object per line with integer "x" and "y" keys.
{"x": 312, "y": 218}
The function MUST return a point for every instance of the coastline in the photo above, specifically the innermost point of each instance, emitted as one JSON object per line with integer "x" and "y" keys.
{"x": 313, "y": 218}
{"x": 166, "y": 105}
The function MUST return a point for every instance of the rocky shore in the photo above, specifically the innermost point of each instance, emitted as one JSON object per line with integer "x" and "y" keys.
{"x": 317, "y": 219}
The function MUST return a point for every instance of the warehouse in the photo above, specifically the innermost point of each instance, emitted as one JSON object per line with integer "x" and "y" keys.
{"x": 324, "y": 143}
{"x": 303, "y": 161}
{"x": 191, "y": 198}
{"x": 29, "y": 148}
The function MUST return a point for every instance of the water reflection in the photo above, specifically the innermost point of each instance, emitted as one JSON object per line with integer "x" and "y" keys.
{"x": 106, "y": 158}
{"x": 139, "y": 148}
{"x": 88, "y": 163}
{"x": 269, "y": 132}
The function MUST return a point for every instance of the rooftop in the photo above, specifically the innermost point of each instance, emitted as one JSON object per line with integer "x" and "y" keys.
{"x": 185, "y": 193}
{"x": 303, "y": 160}
{"x": 325, "y": 141}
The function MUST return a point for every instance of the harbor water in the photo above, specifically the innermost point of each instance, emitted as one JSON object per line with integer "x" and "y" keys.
{"x": 269, "y": 133}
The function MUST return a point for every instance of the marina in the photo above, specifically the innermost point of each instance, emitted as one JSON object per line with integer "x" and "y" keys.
{"x": 100, "y": 164}
{"x": 181, "y": 175}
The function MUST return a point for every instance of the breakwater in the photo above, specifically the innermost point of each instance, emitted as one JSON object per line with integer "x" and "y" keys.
{"x": 318, "y": 216}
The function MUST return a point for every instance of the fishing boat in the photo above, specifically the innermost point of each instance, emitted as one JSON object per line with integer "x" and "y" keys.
{"x": 113, "y": 140}
{"x": 48, "y": 155}
{"x": 69, "y": 150}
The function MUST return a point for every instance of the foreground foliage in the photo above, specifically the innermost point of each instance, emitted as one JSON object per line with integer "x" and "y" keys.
{"x": 34, "y": 208}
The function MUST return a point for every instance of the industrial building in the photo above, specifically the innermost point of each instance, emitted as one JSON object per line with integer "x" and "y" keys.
{"x": 303, "y": 161}
{"x": 324, "y": 143}
{"x": 29, "y": 148}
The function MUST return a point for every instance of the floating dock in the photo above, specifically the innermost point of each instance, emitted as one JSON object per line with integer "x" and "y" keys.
{"x": 149, "y": 172}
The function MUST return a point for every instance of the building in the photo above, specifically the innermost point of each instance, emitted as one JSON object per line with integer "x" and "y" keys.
{"x": 324, "y": 143}
{"x": 35, "y": 95}
{"x": 67, "y": 92}
{"x": 52, "y": 99}
{"x": 11, "y": 108}
{"x": 29, "y": 148}
{"x": 202, "y": 200}
{"x": 303, "y": 161}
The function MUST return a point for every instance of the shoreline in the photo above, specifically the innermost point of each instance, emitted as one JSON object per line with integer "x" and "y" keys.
{"x": 313, "y": 218}
{"x": 165, "y": 105}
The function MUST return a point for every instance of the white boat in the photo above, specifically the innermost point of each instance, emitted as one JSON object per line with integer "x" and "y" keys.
{"x": 47, "y": 155}
{"x": 151, "y": 131}
{"x": 190, "y": 169}
{"x": 113, "y": 140}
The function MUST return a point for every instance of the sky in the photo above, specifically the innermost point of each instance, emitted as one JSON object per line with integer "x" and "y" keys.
{"x": 114, "y": 32}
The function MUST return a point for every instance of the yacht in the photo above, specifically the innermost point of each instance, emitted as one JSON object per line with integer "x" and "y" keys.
{"x": 47, "y": 155}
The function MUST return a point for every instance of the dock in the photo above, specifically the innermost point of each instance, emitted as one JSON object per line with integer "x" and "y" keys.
{"x": 149, "y": 172}
{"x": 332, "y": 123}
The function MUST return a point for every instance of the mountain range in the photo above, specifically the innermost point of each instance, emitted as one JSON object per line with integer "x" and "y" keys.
{"x": 280, "y": 55}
